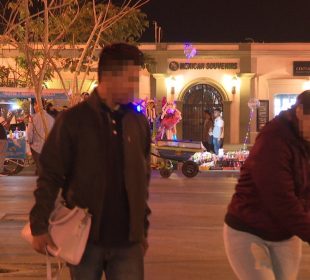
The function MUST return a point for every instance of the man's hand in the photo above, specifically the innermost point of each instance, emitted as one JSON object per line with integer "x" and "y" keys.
{"x": 40, "y": 242}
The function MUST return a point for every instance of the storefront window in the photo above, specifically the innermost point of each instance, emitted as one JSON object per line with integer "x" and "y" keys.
{"x": 283, "y": 102}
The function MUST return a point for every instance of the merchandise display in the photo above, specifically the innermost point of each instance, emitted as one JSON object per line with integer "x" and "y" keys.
{"x": 227, "y": 161}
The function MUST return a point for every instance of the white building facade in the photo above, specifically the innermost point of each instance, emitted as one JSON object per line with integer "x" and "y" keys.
{"x": 228, "y": 76}
{"x": 233, "y": 77}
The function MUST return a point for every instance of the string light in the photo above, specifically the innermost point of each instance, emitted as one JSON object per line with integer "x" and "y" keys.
{"x": 253, "y": 104}
{"x": 246, "y": 139}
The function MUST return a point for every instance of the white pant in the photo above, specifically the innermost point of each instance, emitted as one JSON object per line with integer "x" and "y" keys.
{"x": 253, "y": 258}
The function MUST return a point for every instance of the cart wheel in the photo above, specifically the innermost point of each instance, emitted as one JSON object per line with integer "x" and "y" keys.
{"x": 13, "y": 166}
{"x": 168, "y": 165}
{"x": 165, "y": 173}
{"x": 190, "y": 169}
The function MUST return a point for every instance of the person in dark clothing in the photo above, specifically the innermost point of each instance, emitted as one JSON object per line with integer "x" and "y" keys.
{"x": 98, "y": 154}
{"x": 3, "y": 147}
{"x": 207, "y": 138}
{"x": 269, "y": 213}
{"x": 51, "y": 110}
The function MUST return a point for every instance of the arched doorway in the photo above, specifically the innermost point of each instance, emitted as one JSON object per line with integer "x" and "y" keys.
{"x": 198, "y": 98}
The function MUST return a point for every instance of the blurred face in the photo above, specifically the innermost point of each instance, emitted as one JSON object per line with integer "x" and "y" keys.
{"x": 216, "y": 114}
{"x": 122, "y": 83}
{"x": 85, "y": 96}
{"x": 304, "y": 123}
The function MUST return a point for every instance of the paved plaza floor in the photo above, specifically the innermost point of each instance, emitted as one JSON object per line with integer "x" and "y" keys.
{"x": 185, "y": 235}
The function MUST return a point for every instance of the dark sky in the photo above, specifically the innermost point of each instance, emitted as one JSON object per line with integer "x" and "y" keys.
{"x": 229, "y": 20}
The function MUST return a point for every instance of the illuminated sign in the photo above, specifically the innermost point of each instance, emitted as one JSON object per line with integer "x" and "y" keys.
{"x": 175, "y": 66}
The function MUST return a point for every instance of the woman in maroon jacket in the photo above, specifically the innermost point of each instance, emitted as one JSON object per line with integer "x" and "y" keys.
{"x": 269, "y": 213}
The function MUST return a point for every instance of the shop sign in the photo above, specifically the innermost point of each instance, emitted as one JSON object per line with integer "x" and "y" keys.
{"x": 175, "y": 66}
{"x": 262, "y": 114}
{"x": 301, "y": 68}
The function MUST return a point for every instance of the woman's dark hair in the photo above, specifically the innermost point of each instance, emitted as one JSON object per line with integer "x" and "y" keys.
{"x": 207, "y": 112}
{"x": 114, "y": 56}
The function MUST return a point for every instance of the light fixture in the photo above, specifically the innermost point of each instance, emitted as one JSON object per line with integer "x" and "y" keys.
{"x": 234, "y": 84}
{"x": 173, "y": 85}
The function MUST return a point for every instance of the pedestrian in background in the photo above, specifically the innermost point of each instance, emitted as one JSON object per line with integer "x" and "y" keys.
{"x": 51, "y": 110}
{"x": 207, "y": 134}
{"x": 35, "y": 133}
{"x": 218, "y": 130}
{"x": 84, "y": 96}
{"x": 98, "y": 155}
{"x": 270, "y": 210}
{"x": 3, "y": 147}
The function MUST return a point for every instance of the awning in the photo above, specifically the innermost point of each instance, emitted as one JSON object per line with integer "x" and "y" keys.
{"x": 9, "y": 93}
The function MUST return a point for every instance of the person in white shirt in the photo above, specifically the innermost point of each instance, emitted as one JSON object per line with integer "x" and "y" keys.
{"x": 36, "y": 134}
{"x": 218, "y": 130}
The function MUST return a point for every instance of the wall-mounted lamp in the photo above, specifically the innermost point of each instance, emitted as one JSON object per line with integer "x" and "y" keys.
{"x": 172, "y": 86}
{"x": 234, "y": 84}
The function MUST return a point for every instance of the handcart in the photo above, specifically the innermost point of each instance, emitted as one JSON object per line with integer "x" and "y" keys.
{"x": 170, "y": 153}
{"x": 16, "y": 157}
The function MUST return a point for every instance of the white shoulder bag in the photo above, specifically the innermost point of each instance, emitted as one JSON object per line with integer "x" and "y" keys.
{"x": 69, "y": 230}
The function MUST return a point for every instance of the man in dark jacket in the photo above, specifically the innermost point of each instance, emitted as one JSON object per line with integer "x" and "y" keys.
{"x": 270, "y": 210}
{"x": 98, "y": 155}
{"x": 3, "y": 147}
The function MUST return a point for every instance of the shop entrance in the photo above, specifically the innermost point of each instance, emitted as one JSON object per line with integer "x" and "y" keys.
{"x": 196, "y": 99}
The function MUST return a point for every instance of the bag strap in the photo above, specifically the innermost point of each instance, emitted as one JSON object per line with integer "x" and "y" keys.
{"x": 49, "y": 273}
{"x": 37, "y": 132}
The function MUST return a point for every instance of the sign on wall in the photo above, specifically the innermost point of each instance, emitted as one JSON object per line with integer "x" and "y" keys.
{"x": 301, "y": 68}
{"x": 262, "y": 114}
{"x": 175, "y": 66}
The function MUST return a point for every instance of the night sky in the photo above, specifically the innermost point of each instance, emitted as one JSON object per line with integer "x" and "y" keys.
{"x": 229, "y": 21}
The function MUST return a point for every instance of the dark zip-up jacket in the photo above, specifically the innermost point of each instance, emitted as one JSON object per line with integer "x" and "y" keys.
{"x": 74, "y": 158}
{"x": 272, "y": 196}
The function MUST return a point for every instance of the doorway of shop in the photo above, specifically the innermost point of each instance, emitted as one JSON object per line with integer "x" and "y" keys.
{"x": 196, "y": 99}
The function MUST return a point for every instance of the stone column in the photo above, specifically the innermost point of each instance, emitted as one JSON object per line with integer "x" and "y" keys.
{"x": 161, "y": 89}
{"x": 227, "y": 122}
{"x": 179, "y": 105}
